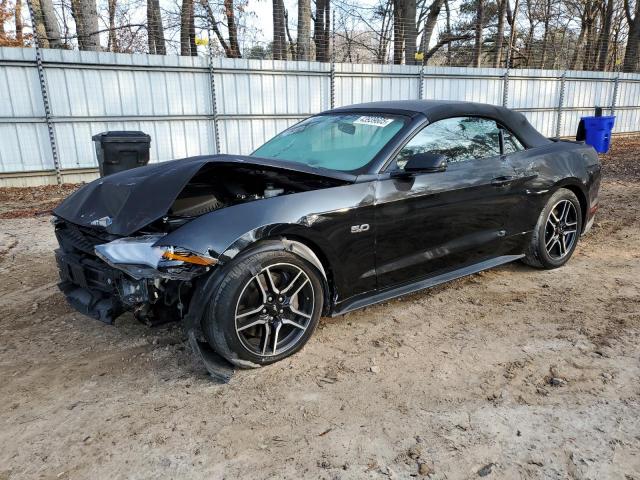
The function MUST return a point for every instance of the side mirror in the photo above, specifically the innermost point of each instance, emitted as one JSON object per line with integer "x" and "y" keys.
{"x": 426, "y": 163}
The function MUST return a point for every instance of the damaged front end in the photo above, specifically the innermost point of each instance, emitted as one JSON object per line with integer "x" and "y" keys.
{"x": 134, "y": 241}
{"x": 103, "y": 276}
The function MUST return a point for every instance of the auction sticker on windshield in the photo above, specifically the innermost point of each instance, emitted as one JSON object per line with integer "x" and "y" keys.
{"x": 373, "y": 121}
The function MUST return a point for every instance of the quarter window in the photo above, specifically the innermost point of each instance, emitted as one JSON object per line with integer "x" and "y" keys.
{"x": 458, "y": 139}
{"x": 511, "y": 143}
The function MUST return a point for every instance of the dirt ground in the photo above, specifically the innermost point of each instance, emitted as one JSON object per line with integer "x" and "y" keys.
{"x": 511, "y": 373}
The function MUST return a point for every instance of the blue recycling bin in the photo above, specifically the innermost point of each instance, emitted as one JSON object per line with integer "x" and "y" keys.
{"x": 597, "y": 132}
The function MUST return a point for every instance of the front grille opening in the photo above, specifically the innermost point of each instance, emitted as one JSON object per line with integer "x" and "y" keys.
{"x": 73, "y": 238}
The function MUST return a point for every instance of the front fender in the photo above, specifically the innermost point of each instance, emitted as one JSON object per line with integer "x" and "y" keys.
{"x": 321, "y": 218}
{"x": 225, "y": 232}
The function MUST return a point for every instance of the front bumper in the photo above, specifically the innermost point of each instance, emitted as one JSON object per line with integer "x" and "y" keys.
{"x": 90, "y": 286}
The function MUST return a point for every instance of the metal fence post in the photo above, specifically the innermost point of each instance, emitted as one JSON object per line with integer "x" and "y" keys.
{"x": 560, "y": 104}
{"x": 332, "y": 71}
{"x": 505, "y": 88}
{"x": 212, "y": 86}
{"x": 614, "y": 95}
{"x": 421, "y": 80}
{"x": 45, "y": 98}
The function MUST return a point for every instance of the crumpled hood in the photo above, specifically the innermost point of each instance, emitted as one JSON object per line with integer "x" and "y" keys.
{"x": 135, "y": 198}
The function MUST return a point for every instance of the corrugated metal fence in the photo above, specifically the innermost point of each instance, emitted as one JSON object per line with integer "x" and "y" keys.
{"x": 171, "y": 98}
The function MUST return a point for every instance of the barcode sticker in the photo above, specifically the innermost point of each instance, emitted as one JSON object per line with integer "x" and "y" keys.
{"x": 374, "y": 121}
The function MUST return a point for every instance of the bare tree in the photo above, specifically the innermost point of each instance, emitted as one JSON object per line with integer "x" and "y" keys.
{"x": 4, "y": 14}
{"x": 19, "y": 24}
{"x": 85, "y": 15}
{"x": 46, "y": 24}
{"x": 112, "y": 42}
{"x": 411, "y": 31}
{"x": 322, "y": 27}
{"x": 279, "y": 42}
{"x": 304, "y": 29}
{"x": 232, "y": 27}
{"x": 384, "y": 12}
{"x": 187, "y": 29}
{"x": 605, "y": 36}
{"x": 398, "y": 30}
{"x": 632, "y": 52}
{"x": 587, "y": 11}
{"x": 513, "y": 30}
{"x": 448, "y": 31}
{"x": 155, "y": 29}
{"x": 545, "y": 36}
{"x": 430, "y": 23}
{"x": 477, "y": 48}
{"x": 292, "y": 44}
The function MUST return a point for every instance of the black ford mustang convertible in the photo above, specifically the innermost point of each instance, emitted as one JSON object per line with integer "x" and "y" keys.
{"x": 347, "y": 208}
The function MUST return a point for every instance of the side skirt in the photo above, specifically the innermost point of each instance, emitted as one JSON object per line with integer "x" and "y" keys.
{"x": 402, "y": 290}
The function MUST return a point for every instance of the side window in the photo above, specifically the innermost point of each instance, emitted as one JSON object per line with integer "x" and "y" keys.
{"x": 459, "y": 139}
{"x": 511, "y": 143}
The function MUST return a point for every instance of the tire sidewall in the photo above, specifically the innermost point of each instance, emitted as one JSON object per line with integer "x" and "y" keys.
{"x": 539, "y": 239}
{"x": 219, "y": 318}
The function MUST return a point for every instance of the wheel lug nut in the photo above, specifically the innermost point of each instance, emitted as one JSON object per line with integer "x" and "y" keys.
{"x": 270, "y": 299}
{"x": 280, "y": 299}
{"x": 281, "y": 310}
{"x": 264, "y": 310}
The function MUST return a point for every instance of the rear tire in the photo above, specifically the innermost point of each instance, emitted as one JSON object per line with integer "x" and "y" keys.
{"x": 557, "y": 231}
{"x": 265, "y": 309}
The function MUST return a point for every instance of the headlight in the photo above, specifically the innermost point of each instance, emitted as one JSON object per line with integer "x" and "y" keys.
{"x": 140, "y": 259}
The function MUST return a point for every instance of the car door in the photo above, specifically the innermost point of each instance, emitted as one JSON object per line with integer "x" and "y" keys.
{"x": 430, "y": 223}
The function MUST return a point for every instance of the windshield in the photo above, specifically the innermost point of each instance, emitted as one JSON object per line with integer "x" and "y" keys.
{"x": 345, "y": 142}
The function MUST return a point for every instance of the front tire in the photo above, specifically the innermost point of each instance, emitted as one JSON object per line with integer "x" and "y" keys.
{"x": 557, "y": 231}
{"x": 265, "y": 309}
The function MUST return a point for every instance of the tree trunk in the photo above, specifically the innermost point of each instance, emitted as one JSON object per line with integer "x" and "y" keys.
{"x": 3, "y": 12}
{"x": 19, "y": 24}
{"x": 411, "y": 31}
{"x": 605, "y": 36}
{"x": 304, "y": 29}
{"x": 430, "y": 23}
{"x": 112, "y": 42}
{"x": 398, "y": 31}
{"x": 151, "y": 41}
{"x": 155, "y": 29}
{"x": 3, "y": 7}
{"x": 632, "y": 51}
{"x": 186, "y": 23}
{"x": 322, "y": 28}
{"x": 448, "y": 23}
{"x": 86, "y": 17}
{"x": 279, "y": 42}
{"x": 589, "y": 45}
{"x": 578, "y": 48}
{"x": 502, "y": 11}
{"x": 383, "y": 40}
{"x": 545, "y": 35}
{"x": 230, "y": 13}
{"x": 292, "y": 45}
{"x": 46, "y": 24}
{"x": 477, "y": 48}
{"x": 511, "y": 18}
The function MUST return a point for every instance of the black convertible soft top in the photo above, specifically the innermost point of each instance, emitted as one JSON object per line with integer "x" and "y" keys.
{"x": 436, "y": 110}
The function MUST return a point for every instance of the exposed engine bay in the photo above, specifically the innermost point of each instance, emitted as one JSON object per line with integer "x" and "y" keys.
{"x": 218, "y": 186}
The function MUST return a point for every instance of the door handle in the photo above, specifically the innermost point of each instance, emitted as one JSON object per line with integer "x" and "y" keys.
{"x": 504, "y": 180}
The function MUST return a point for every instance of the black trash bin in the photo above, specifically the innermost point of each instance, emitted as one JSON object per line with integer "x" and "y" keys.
{"x": 118, "y": 151}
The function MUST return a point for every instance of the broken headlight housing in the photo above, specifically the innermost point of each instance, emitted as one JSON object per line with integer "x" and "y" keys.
{"x": 139, "y": 258}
